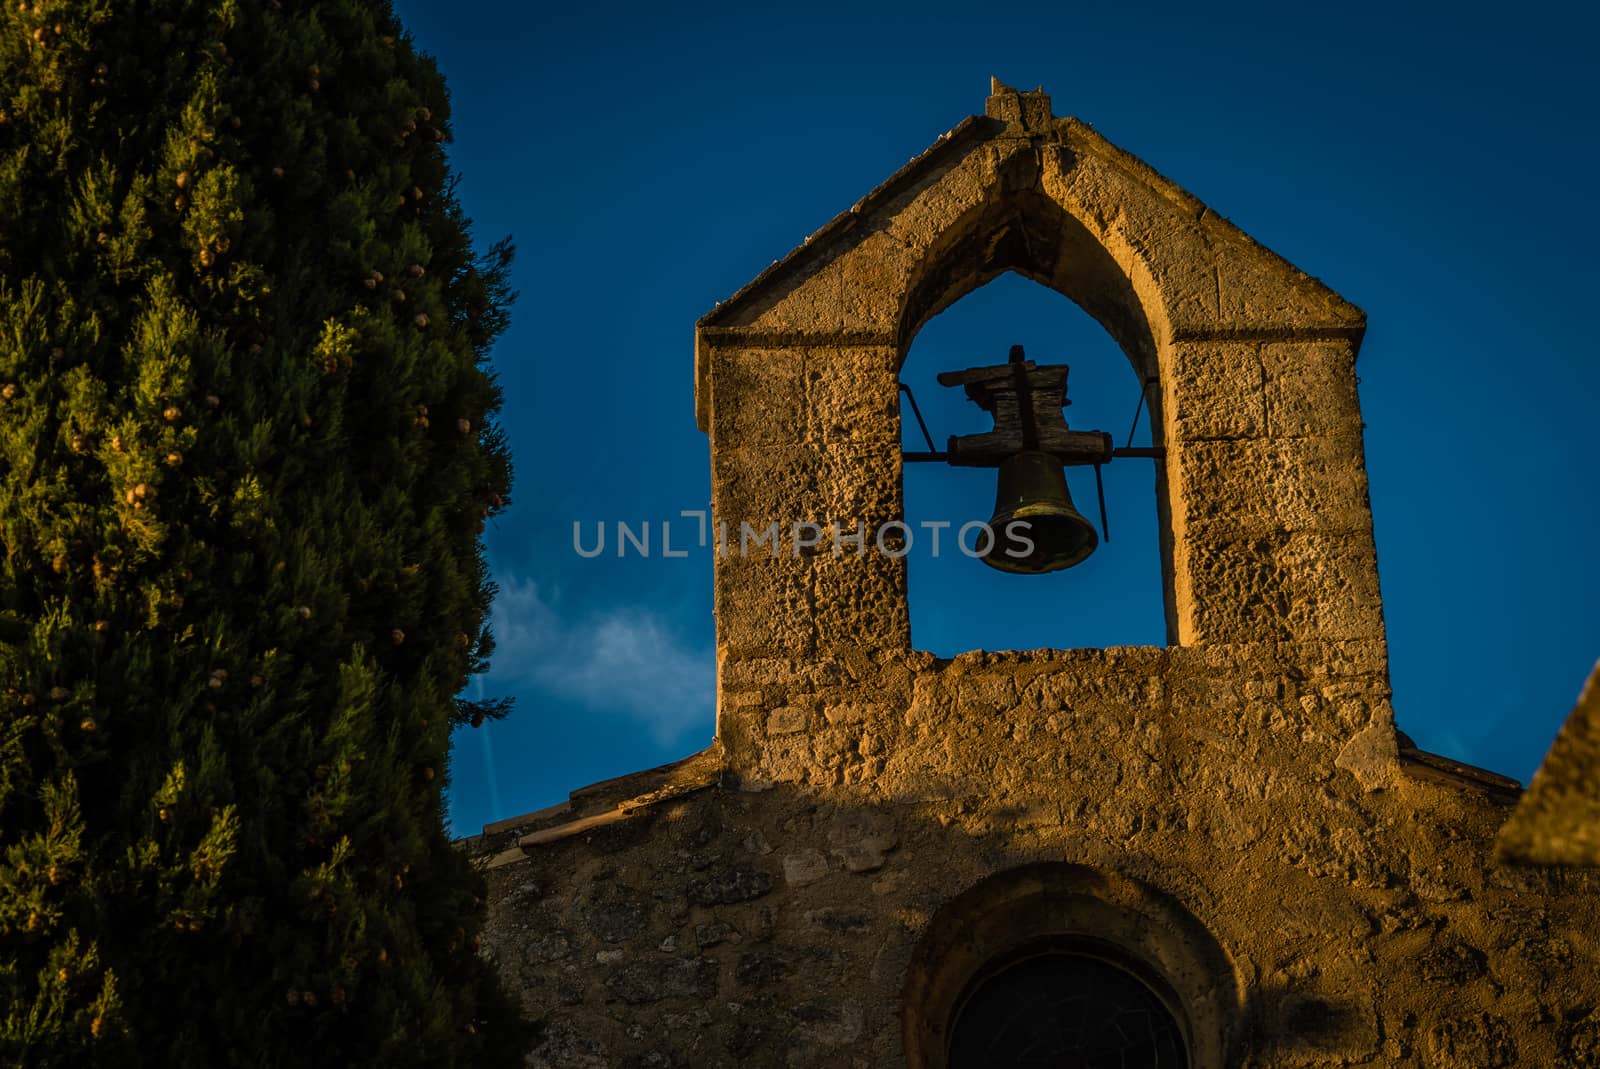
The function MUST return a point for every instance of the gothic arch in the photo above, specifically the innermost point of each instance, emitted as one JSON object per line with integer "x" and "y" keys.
{"x": 1039, "y": 238}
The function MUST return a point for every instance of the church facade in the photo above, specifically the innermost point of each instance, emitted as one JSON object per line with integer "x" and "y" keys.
{"x": 1216, "y": 853}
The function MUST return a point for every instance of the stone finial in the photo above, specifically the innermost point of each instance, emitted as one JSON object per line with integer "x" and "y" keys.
{"x": 1028, "y": 110}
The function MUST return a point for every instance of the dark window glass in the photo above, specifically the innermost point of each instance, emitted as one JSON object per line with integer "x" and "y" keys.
{"x": 1064, "y": 1010}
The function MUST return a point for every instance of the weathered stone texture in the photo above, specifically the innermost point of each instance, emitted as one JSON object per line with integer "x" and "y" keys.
{"x": 1358, "y": 924}
{"x": 1559, "y": 820}
{"x": 1236, "y": 814}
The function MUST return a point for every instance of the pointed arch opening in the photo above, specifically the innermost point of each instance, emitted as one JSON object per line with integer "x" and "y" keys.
{"x": 1028, "y": 233}
{"x": 1115, "y": 597}
{"x": 967, "y": 303}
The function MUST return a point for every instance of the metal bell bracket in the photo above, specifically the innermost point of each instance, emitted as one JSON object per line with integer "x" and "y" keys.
{"x": 1026, "y": 401}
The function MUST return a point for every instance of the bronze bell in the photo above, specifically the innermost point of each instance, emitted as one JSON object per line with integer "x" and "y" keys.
{"x": 1033, "y": 489}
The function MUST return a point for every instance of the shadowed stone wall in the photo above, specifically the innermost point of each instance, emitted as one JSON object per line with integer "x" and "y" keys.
{"x": 1234, "y": 818}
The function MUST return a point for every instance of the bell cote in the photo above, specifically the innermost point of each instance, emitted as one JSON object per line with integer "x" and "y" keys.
{"x": 1261, "y": 486}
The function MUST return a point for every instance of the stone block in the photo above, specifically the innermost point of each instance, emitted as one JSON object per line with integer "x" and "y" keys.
{"x": 1215, "y": 390}
{"x": 714, "y": 933}
{"x": 875, "y": 275}
{"x": 860, "y": 602}
{"x": 823, "y": 1025}
{"x": 984, "y": 696}
{"x": 1310, "y": 389}
{"x": 645, "y": 981}
{"x": 1235, "y": 591}
{"x": 852, "y": 393}
{"x": 803, "y": 298}
{"x": 807, "y": 866}
{"x": 787, "y": 720}
{"x": 759, "y": 485}
{"x": 1332, "y": 581}
{"x": 926, "y": 211}
{"x": 763, "y": 606}
{"x": 1372, "y": 757}
{"x": 862, "y": 840}
{"x": 859, "y": 484}
{"x": 1471, "y": 1041}
{"x": 760, "y": 671}
{"x": 1257, "y": 290}
{"x": 854, "y": 712}
{"x": 758, "y": 396}
{"x": 1301, "y": 586}
{"x": 1258, "y": 488}
{"x": 728, "y": 886}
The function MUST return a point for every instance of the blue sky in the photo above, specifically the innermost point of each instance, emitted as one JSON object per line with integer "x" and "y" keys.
{"x": 1436, "y": 169}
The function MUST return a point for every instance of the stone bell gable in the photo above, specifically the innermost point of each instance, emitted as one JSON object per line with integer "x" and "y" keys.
{"x": 1263, "y": 494}
{"x": 1220, "y": 852}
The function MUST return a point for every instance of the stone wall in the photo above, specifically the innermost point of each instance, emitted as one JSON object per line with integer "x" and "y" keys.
{"x": 773, "y": 917}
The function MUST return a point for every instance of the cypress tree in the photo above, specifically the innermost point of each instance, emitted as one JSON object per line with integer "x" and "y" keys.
{"x": 246, "y": 453}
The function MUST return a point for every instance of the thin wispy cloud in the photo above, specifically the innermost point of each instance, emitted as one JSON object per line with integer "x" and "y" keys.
{"x": 625, "y": 659}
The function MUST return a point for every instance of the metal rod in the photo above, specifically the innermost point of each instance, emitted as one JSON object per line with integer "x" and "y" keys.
{"x": 1147, "y": 452}
{"x": 1100, "y": 491}
{"x": 917, "y": 412}
{"x": 1139, "y": 408}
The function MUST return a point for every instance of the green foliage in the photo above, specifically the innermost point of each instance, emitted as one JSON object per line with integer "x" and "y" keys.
{"x": 246, "y": 452}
